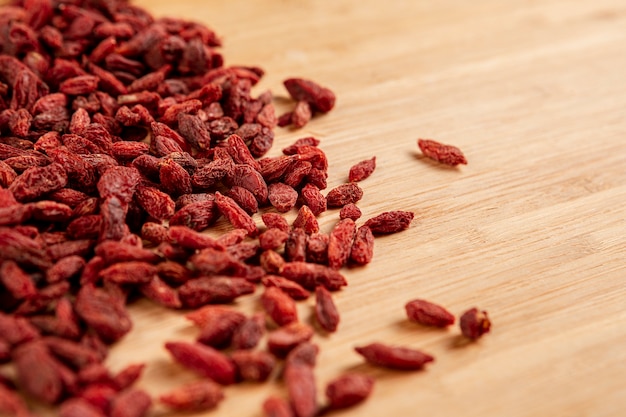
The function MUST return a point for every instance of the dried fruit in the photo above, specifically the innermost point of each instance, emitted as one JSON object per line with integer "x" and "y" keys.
{"x": 390, "y": 222}
{"x": 279, "y": 306}
{"x": 43, "y": 381}
{"x": 103, "y": 312}
{"x": 253, "y": 365}
{"x": 474, "y": 323}
{"x": 363, "y": 246}
{"x": 344, "y": 194}
{"x": 291, "y": 288}
{"x": 394, "y": 357}
{"x": 320, "y": 98}
{"x": 428, "y": 314}
{"x": 216, "y": 289}
{"x": 249, "y": 333}
{"x": 350, "y": 211}
{"x": 194, "y": 396}
{"x": 218, "y": 324}
{"x": 348, "y": 390}
{"x": 281, "y": 341}
{"x": 203, "y": 360}
{"x": 446, "y": 154}
{"x": 282, "y": 196}
{"x": 326, "y": 312}
{"x": 277, "y": 407}
{"x": 300, "y": 382}
{"x": 362, "y": 170}
{"x": 340, "y": 243}
{"x": 131, "y": 403}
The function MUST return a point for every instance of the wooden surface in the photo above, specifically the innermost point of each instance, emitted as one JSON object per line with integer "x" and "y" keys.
{"x": 532, "y": 230}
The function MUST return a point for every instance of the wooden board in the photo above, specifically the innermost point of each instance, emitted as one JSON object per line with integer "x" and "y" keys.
{"x": 532, "y": 229}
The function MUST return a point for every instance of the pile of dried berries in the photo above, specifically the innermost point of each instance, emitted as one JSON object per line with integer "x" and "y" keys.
{"x": 122, "y": 139}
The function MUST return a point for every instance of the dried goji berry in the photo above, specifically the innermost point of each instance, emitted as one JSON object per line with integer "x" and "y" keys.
{"x": 344, "y": 194}
{"x": 320, "y": 98}
{"x": 306, "y": 220}
{"x": 194, "y": 396}
{"x": 390, "y": 222}
{"x": 131, "y": 403}
{"x": 445, "y": 154}
{"x": 204, "y": 361}
{"x": 277, "y": 407}
{"x": 253, "y": 365}
{"x": 300, "y": 382}
{"x": 350, "y": 211}
{"x": 394, "y": 357}
{"x": 326, "y": 312}
{"x": 218, "y": 325}
{"x": 218, "y": 289}
{"x": 291, "y": 288}
{"x": 340, "y": 243}
{"x": 348, "y": 390}
{"x": 279, "y": 306}
{"x": 249, "y": 333}
{"x": 103, "y": 312}
{"x": 362, "y": 249}
{"x": 474, "y": 323}
{"x": 427, "y": 313}
{"x": 281, "y": 341}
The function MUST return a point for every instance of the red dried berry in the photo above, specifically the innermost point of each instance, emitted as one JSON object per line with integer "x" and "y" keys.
{"x": 474, "y": 323}
{"x": 301, "y": 114}
{"x": 17, "y": 282}
{"x": 281, "y": 341}
{"x": 349, "y": 390}
{"x": 394, "y": 357}
{"x": 428, "y": 314}
{"x": 306, "y": 220}
{"x": 131, "y": 403}
{"x": 279, "y": 306}
{"x": 282, "y": 197}
{"x": 291, "y": 288}
{"x": 326, "y": 312}
{"x": 195, "y": 396}
{"x": 363, "y": 246}
{"x": 350, "y": 211}
{"x": 235, "y": 214}
{"x": 275, "y": 220}
{"x": 44, "y": 381}
{"x": 272, "y": 239}
{"x": 203, "y": 360}
{"x": 307, "y": 141}
{"x": 37, "y": 181}
{"x": 320, "y": 98}
{"x": 218, "y": 289}
{"x": 78, "y": 407}
{"x": 311, "y": 275}
{"x": 156, "y": 203}
{"x": 344, "y": 194}
{"x": 218, "y": 325}
{"x": 362, "y": 170}
{"x": 253, "y": 366}
{"x": 340, "y": 243}
{"x": 103, "y": 312}
{"x": 161, "y": 293}
{"x": 300, "y": 382}
{"x": 277, "y": 407}
{"x": 295, "y": 246}
{"x": 390, "y": 222}
{"x": 249, "y": 333}
{"x": 445, "y": 154}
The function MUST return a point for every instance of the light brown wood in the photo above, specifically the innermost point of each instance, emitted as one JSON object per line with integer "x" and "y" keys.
{"x": 532, "y": 229}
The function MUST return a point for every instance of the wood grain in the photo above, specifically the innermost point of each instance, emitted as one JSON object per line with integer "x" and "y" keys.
{"x": 532, "y": 229}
